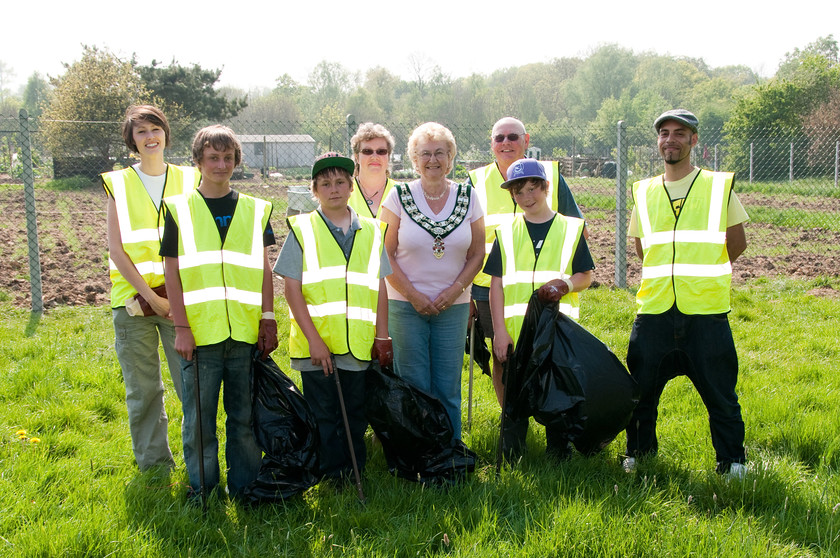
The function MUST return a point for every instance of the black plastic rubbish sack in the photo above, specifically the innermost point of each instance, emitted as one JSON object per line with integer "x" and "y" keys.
{"x": 564, "y": 376}
{"x": 286, "y": 431}
{"x": 415, "y": 431}
{"x": 481, "y": 354}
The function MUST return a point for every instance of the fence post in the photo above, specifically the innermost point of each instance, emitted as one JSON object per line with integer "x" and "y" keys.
{"x": 621, "y": 208}
{"x": 751, "y": 162}
{"x": 791, "y": 162}
{"x": 31, "y": 215}
{"x": 836, "y": 161}
{"x": 351, "y": 129}
{"x": 716, "y": 156}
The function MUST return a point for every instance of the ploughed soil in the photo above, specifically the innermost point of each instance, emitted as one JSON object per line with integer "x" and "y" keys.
{"x": 71, "y": 228}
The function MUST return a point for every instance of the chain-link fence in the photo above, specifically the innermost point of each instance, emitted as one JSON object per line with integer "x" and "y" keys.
{"x": 788, "y": 184}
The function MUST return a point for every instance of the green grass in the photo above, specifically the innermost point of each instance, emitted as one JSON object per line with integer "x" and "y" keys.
{"x": 78, "y": 493}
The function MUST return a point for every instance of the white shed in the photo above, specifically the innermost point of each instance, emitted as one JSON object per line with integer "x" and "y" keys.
{"x": 277, "y": 151}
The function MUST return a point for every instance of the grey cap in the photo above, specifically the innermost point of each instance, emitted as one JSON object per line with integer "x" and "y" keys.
{"x": 682, "y": 116}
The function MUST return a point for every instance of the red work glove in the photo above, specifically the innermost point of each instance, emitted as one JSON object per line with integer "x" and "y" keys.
{"x": 552, "y": 291}
{"x": 383, "y": 351}
{"x": 267, "y": 339}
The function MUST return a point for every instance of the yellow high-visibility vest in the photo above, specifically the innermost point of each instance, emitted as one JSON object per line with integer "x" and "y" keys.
{"x": 359, "y": 204}
{"x": 341, "y": 293}
{"x": 685, "y": 258}
{"x": 523, "y": 272}
{"x": 222, "y": 283}
{"x": 499, "y": 206}
{"x": 141, "y": 224}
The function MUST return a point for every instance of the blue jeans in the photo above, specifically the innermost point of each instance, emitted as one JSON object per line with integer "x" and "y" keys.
{"x": 429, "y": 352}
{"x": 136, "y": 343}
{"x": 663, "y": 346}
{"x": 228, "y": 362}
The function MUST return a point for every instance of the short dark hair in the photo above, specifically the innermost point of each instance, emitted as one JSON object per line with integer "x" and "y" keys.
{"x": 142, "y": 113}
{"x": 517, "y": 185}
{"x": 220, "y": 138}
{"x": 331, "y": 171}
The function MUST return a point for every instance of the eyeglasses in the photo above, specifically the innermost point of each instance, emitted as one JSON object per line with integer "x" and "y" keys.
{"x": 439, "y": 154}
{"x": 499, "y": 138}
{"x": 368, "y": 151}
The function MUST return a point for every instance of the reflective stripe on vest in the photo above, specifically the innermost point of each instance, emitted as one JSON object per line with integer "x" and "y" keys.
{"x": 685, "y": 257}
{"x": 522, "y": 273}
{"x": 141, "y": 224}
{"x": 221, "y": 281}
{"x": 359, "y": 204}
{"x": 341, "y": 293}
{"x": 499, "y": 206}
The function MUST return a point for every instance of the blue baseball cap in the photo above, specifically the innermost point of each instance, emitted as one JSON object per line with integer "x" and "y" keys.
{"x": 524, "y": 168}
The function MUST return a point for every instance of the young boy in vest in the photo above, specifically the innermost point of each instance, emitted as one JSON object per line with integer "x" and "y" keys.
{"x": 135, "y": 215}
{"x": 539, "y": 249}
{"x": 220, "y": 288}
{"x": 334, "y": 267}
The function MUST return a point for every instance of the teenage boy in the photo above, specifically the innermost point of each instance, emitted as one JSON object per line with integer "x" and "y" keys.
{"x": 539, "y": 249}
{"x": 334, "y": 267}
{"x": 135, "y": 216}
{"x": 220, "y": 289}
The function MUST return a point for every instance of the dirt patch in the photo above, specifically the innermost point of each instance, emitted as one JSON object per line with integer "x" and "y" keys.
{"x": 824, "y": 292}
{"x": 74, "y": 262}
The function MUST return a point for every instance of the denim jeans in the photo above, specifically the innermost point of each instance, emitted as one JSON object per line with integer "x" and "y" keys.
{"x": 663, "y": 346}
{"x": 228, "y": 362}
{"x": 322, "y": 395}
{"x": 429, "y": 352}
{"x": 136, "y": 342}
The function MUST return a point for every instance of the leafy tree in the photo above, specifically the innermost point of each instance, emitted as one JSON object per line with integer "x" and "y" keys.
{"x": 6, "y": 74}
{"x": 822, "y": 127}
{"x": 35, "y": 94}
{"x": 770, "y": 115}
{"x": 88, "y": 101}
{"x": 823, "y": 47}
{"x": 192, "y": 89}
{"x": 604, "y": 74}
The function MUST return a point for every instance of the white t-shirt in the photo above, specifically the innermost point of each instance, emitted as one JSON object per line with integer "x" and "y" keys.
{"x": 414, "y": 255}
{"x": 153, "y": 184}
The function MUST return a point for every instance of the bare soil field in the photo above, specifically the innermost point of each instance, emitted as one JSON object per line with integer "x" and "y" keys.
{"x": 74, "y": 260}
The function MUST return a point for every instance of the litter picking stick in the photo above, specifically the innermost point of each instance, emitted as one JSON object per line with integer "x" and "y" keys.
{"x": 349, "y": 439}
{"x": 505, "y": 378}
{"x": 472, "y": 364}
{"x": 201, "y": 485}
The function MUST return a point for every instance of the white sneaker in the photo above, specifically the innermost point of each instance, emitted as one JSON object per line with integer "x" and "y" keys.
{"x": 629, "y": 464}
{"x": 737, "y": 471}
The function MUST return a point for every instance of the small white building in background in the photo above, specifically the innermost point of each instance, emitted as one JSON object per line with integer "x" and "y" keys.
{"x": 277, "y": 151}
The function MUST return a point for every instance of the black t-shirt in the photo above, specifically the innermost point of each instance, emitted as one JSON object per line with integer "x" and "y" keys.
{"x": 222, "y": 210}
{"x": 581, "y": 261}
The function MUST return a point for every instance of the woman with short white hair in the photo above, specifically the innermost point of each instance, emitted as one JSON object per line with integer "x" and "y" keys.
{"x": 435, "y": 242}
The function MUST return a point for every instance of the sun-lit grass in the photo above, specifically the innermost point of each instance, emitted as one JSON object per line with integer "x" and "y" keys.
{"x": 76, "y": 491}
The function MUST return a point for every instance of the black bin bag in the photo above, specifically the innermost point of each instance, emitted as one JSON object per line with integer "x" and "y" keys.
{"x": 564, "y": 376}
{"x": 286, "y": 431}
{"x": 415, "y": 431}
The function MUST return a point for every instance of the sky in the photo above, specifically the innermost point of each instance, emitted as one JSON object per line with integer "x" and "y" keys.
{"x": 256, "y": 42}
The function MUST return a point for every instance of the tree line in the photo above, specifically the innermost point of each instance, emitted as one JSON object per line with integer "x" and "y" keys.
{"x": 587, "y": 94}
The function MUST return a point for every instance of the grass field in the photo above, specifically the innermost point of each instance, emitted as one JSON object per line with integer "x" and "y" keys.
{"x": 76, "y": 492}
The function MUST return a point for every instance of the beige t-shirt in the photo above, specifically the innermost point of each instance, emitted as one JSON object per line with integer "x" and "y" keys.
{"x": 678, "y": 189}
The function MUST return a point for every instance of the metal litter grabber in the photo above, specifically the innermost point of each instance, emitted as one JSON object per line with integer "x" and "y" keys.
{"x": 347, "y": 434}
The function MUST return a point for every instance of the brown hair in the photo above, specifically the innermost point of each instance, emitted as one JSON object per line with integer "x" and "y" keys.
{"x": 220, "y": 138}
{"x": 142, "y": 113}
{"x": 517, "y": 185}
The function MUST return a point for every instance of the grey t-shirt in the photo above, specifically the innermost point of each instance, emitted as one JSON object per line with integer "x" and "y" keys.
{"x": 290, "y": 264}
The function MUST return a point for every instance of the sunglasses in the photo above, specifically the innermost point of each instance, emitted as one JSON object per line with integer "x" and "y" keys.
{"x": 368, "y": 151}
{"x": 499, "y": 138}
